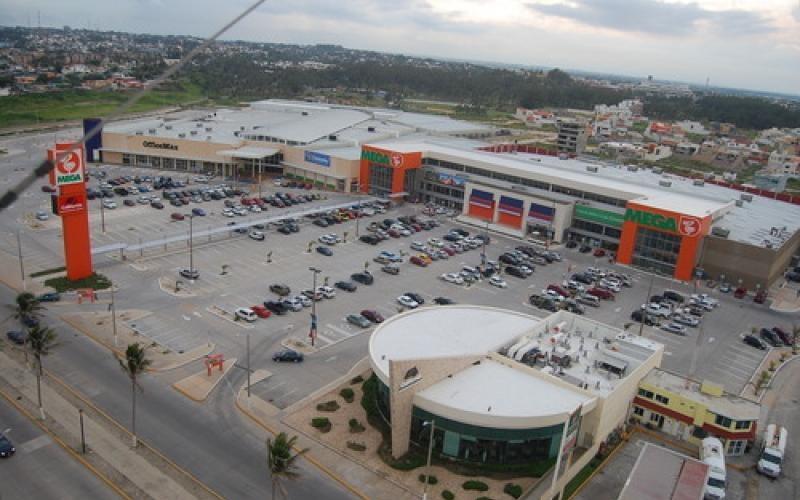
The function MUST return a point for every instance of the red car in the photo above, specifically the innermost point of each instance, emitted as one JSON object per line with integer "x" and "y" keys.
{"x": 418, "y": 261}
{"x": 394, "y": 233}
{"x": 261, "y": 311}
{"x": 760, "y": 297}
{"x": 740, "y": 292}
{"x": 600, "y": 293}
{"x": 599, "y": 252}
{"x": 372, "y": 315}
{"x": 449, "y": 250}
{"x": 177, "y": 216}
{"x": 558, "y": 290}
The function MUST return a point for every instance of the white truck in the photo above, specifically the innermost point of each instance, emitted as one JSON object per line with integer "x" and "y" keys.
{"x": 712, "y": 454}
{"x": 775, "y": 439}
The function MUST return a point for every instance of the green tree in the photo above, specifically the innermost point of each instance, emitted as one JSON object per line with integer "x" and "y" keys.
{"x": 281, "y": 461}
{"x": 26, "y": 306}
{"x": 134, "y": 365}
{"x": 40, "y": 341}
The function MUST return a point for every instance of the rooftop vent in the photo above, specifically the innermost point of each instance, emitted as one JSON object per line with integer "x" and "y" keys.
{"x": 665, "y": 184}
{"x": 591, "y": 168}
{"x": 208, "y": 137}
{"x": 699, "y": 182}
{"x": 181, "y": 135}
{"x": 168, "y": 127}
{"x": 199, "y": 125}
{"x": 633, "y": 168}
{"x": 193, "y": 132}
{"x": 333, "y": 137}
{"x": 236, "y": 133}
{"x": 151, "y": 131}
{"x": 304, "y": 113}
{"x": 208, "y": 129}
{"x": 139, "y": 132}
{"x": 370, "y": 129}
{"x": 739, "y": 203}
{"x": 720, "y": 231}
{"x": 657, "y": 170}
{"x": 241, "y": 128}
{"x": 746, "y": 197}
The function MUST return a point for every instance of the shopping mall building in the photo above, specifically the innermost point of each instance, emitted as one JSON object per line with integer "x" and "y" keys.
{"x": 498, "y": 387}
{"x": 674, "y": 225}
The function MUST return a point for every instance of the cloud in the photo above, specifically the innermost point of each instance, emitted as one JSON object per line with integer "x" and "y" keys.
{"x": 655, "y": 17}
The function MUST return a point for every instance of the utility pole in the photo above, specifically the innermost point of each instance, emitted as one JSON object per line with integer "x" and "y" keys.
{"x": 21, "y": 264}
{"x": 313, "y": 331}
{"x": 259, "y": 180}
{"x": 647, "y": 301}
{"x": 191, "y": 237}
{"x": 102, "y": 214}
{"x": 114, "y": 316}
{"x": 248, "y": 364}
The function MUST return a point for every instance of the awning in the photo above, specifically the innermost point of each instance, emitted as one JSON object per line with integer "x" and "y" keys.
{"x": 249, "y": 152}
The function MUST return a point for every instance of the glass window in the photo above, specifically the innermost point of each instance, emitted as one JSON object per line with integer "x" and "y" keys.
{"x": 722, "y": 421}
{"x": 646, "y": 394}
{"x": 742, "y": 424}
{"x": 654, "y": 417}
{"x": 638, "y": 410}
{"x": 736, "y": 447}
{"x": 661, "y": 399}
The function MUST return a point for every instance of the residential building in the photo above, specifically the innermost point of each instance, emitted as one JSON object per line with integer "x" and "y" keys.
{"x": 571, "y": 136}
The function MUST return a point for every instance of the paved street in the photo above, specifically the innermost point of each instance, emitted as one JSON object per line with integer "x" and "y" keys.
{"x": 784, "y": 408}
{"x": 22, "y": 475}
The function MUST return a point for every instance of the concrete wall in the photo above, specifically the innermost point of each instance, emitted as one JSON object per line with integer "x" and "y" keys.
{"x": 430, "y": 371}
{"x": 754, "y": 265}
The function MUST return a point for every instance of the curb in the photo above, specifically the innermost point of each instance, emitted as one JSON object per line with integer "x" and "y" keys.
{"x": 64, "y": 445}
{"x": 308, "y": 457}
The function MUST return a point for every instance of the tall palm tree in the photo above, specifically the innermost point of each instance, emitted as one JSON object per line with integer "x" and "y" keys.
{"x": 134, "y": 364}
{"x": 281, "y": 461}
{"x": 26, "y": 306}
{"x": 40, "y": 341}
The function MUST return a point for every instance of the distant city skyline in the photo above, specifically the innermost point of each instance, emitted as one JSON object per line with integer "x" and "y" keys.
{"x": 746, "y": 44}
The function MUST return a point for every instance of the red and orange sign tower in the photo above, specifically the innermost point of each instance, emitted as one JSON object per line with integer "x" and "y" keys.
{"x": 69, "y": 178}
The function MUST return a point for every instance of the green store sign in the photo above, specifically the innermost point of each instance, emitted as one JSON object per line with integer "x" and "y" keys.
{"x": 375, "y": 157}
{"x": 604, "y": 217}
{"x": 656, "y": 221}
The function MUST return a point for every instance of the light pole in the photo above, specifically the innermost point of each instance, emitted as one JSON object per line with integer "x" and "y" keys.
{"x": 432, "y": 423}
{"x": 113, "y": 308}
{"x": 21, "y": 264}
{"x": 313, "y": 331}
{"x": 485, "y": 237}
{"x": 102, "y": 213}
{"x": 191, "y": 246}
{"x": 646, "y": 301}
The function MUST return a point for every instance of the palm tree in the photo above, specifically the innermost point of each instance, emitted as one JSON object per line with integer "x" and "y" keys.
{"x": 281, "y": 461}
{"x": 40, "y": 341}
{"x": 26, "y": 306}
{"x": 134, "y": 364}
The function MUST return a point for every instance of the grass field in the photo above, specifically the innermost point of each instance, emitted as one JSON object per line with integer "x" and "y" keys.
{"x": 78, "y": 104}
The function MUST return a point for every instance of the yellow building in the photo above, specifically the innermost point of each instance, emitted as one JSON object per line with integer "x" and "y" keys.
{"x": 692, "y": 410}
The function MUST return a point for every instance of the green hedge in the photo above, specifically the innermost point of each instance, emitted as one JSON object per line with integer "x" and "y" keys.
{"x": 321, "y": 423}
{"x": 448, "y": 495}
{"x": 580, "y": 477}
{"x": 355, "y": 426}
{"x": 96, "y": 281}
{"x": 431, "y": 478}
{"x": 513, "y": 490}
{"x": 347, "y": 394}
{"x": 45, "y": 272}
{"x": 356, "y": 446}
{"x": 357, "y": 380}
{"x": 328, "y": 406}
{"x": 474, "y": 485}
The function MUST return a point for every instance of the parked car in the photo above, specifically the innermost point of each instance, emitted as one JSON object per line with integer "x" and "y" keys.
{"x": 372, "y": 315}
{"x": 754, "y": 341}
{"x": 443, "y": 301}
{"x": 364, "y": 278}
{"x": 198, "y": 212}
{"x": 673, "y": 327}
{"x": 600, "y": 293}
{"x": 558, "y": 290}
{"x": 770, "y": 337}
{"x": 416, "y": 260}
{"x": 49, "y": 297}
{"x": 261, "y": 311}
{"x": 452, "y": 278}
{"x": 256, "y": 235}
{"x": 599, "y": 252}
{"x": 347, "y": 286}
{"x": 498, "y": 282}
{"x": 288, "y": 355}
{"x": 760, "y": 297}
{"x": 740, "y": 293}
{"x": 407, "y": 301}
{"x": 358, "y": 320}
{"x": 685, "y": 320}
{"x": 648, "y": 319}
{"x": 391, "y": 269}
{"x": 280, "y": 289}
{"x": 276, "y": 307}
{"x": 571, "y": 244}
{"x": 190, "y": 274}
{"x": 325, "y": 251}
{"x": 783, "y": 335}
{"x": 16, "y": 336}
{"x": 6, "y": 446}
{"x": 246, "y": 314}
{"x": 725, "y": 287}
{"x": 515, "y": 271}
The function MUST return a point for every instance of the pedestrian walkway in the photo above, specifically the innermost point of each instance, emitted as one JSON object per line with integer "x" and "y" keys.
{"x": 109, "y": 447}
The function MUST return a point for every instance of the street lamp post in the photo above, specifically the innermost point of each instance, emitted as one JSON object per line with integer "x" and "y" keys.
{"x": 114, "y": 316}
{"x": 191, "y": 245}
{"x": 313, "y": 331}
{"x": 21, "y": 264}
{"x": 646, "y": 301}
{"x": 102, "y": 214}
{"x": 432, "y": 423}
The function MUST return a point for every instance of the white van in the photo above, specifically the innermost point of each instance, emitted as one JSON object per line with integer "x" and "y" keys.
{"x": 246, "y": 314}
{"x": 711, "y": 453}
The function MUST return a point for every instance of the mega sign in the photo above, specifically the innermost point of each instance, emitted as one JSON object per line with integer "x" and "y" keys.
{"x": 686, "y": 226}
{"x": 375, "y": 157}
{"x": 318, "y": 158}
{"x": 69, "y": 168}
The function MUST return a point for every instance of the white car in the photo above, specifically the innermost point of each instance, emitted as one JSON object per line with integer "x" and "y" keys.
{"x": 452, "y": 278}
{"x": 326, "y": 292}
{"x": 255, "y": 209}
{"x": 246, "y": 314}
{"x": 685, "y": 319}
{"x": 143, "y": 200}
{"x": 240, "y": 211}
{"x": 674, "y": 328}
{"x": 498, "y": 282}
{"x": 305, "y": 301}
{"x": 256, "y": 235}
{"x": 527, "y": 271}
{"x": 326, "y": 238}
{"x": 109, "y": 204}
{"x": 552, "y": 295}
{"x": 596, "y": 272}
{"x": 614, "y": 286}
{"x": 418, "y": 245}
{"x": 407, "y": 301}
{"x": 293, "y": 303}
{"x": 574, "y": 285}
{"x": 435, "y": 242}
{"x": 660, "y": 310}
{"x": 228, "y": 213}
{"x": 42, "y": 215}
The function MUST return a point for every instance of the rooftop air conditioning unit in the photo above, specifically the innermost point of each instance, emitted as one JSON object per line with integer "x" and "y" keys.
{"x": 370, "y": 129}
{"x": 720, "y": 231}
{"x": 657, "y": 170}
{"x": 139, "y": 132}
{"x": 591, "y": 168}
{"x": 151, "y": 131}
{"x": 168, "y": 127}
{"x": 333, "y": 137}
{"x": 199, "y": 125}
{"x": 193, "y": 132}
{"x": 236, "y": 133}
{"x": 208, "y": 129}
{"x": 241, "y": 128}
{"x": 699, "y": 182}
{"x": 746, "y": 197}
{"x": 208, "y": 137}
{"x": 633, "y": 168}
{"x": 181, "y": 135}
{"x": 304, "y": 113}
{"x": 739, "y": 203}
{"x": 665, "y": 184}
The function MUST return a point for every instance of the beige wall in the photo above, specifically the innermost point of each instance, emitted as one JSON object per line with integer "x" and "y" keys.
{"x": 196, "y": 149}
{"x": 430, "y": 371}
{"x": 752, "y": 264}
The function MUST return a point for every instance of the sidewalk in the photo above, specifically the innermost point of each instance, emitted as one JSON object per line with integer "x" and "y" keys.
{"x": 110, "y": 448}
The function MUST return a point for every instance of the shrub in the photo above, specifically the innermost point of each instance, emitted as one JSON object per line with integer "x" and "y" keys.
{"x": 347, "y": 394}
{"x": 355, "y": 426}
{"x": 484, "y": 498}
{"x": 513, "y": 490}
{"x": 95, "y": 281}
{"x": 475, "y": 485}
{"x": 357, "y": 380}
{"x": 431, "y": 478}
{"x": 448, "y": 495}
{"x": 356, "y": 446}
{"x": 328, "y": 406}
{"x": 321, "y": 423}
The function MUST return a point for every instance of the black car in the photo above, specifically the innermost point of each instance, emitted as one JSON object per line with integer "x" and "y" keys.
{"x": 673, "y": 296}
{"x": 6, "y": 447}
{"x": 583, "y": 278}
{"x": 443, "y": 301}
{"x": 368, "y": 238}
{"x": 451, "y": 237}
{"x": 288, "y": 355}
{"x": 515, "y": 271}
{"x": 417, "y": 297}
{"x": 347, "y": 286}
{"x": 129, "y": 203}
{"x": 460, "y": 232}
{"x": 49, "y": 297}
{"x": 284, "y": 230}
{"x": 321, "y": 222}
{"x": 793, "y": 276}
{"x": 770, "y": 337}
{"x": 325, "y": 251}
{"x": 17, "y": 337}
{"x": 509, "y": 259}
{"x": 784, "y": 336}
{"x": 585, "y": 249}
{"x": 754, "y": 341}
{"x": 280, "y": 289}
{"x": 157, "y": 205}
{"x": 276, "y": 307}
{"x": 572, "y": 244}
{"x": 649, "y": 320}
{"x": 364, "y": 278}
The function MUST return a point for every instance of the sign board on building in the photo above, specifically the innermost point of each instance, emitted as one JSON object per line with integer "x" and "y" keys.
{"x": 604, "y": 217}
{"x": 684, "y": 224}
{"x": 71, "y": 204}
{"x": 317, "y": 158}
{"x": 69, "y": 168}
{"x": 375, "y": 157}
{"x": 160, "y": 145}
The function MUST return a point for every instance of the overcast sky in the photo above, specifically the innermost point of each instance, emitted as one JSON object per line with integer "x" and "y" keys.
{"x": 751, "y": 44}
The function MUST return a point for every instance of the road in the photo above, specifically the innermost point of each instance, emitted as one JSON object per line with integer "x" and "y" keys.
{"x": 22, "y": 477}
{"x": 784, "y": 410}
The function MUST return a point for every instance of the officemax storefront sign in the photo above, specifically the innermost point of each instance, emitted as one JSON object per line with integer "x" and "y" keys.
{"x": 656, "y": 221}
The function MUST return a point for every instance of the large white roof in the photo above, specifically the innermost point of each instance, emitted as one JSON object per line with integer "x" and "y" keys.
{"x": 508, "y": 396}
{"x": 451, "y": 331}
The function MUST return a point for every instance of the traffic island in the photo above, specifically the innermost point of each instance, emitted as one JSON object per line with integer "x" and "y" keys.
{"x": 197, "y": 387}
{"x": 174, "y": 287}
{"x": 98, "y": 326}
{"x": 299, "y": 345}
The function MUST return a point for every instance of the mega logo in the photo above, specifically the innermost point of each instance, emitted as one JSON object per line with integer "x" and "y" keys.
{"x": 650, "y": 219}
{"x": 375, "y": 157}
{"x": 397, "y": 160}
{"x": 69, "y": 170}
{"x": 689, "y": 226}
